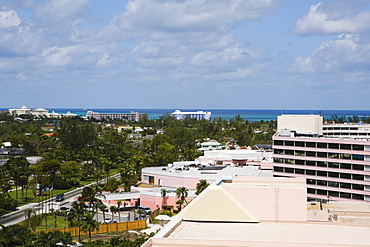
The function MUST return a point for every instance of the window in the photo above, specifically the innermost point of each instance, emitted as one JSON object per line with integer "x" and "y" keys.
{"x": 334, "y": 174}
{"x": 278, "y": 169}
{"x": 345, "y": 185}
{"x": 333, "y": 165}
{"x": 289, "y": 161}
{"x": 322, "y": 145}
{"x": 345, "y": 195}
{"x": 311, "y": 144}
{"x": 310, "y": 181}
{"x": 345, "y": 175}
{"x": 345, "y": 156}
{"x": 358, "y": 187}
{"x": 299, "y": 153}
{"x": 299, "y": 144}
{"x": 278, "y": 151}
{"x": 299, "y": 162}
{"x": 311, "y": 191}
{"x": 333, "y": 155}
{"x": 278, "y": 160}
{"x": 334, "y": 193}
{"x": 345, "y": 166}
{"x": 311, "y": 172}
{"x": 311, "y": 154}
{"x": 322, "y": 154}
{"x": 289, "y": 170}
{"x": 357, "y": 157}
{"x": 322, "y": 192}
{"x": 333, "y": 184}
{"x": 357, "y": 167}
{"x": 322, "y": 182}
{"x": 322, "y": 173}
{"x": 345, "y": 146}
{"x": 357, "y": 177}
{"x": 299, "y": 171}
{"x": 289, "y": 152}
{"x": 358, "y": 147}
{"x": 310, "y": 163}
{"x": 334, "y": 145}
{"x": 358, "y": 197}
{"x": 279, "y": 143}
{"x": 322, "y": 164}
{"x": 289, "y": 143}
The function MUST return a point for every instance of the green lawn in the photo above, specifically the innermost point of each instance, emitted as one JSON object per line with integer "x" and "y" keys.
{"x": 49, "y": 224}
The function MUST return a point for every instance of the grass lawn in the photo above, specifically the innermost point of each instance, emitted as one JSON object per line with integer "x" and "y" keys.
{"x": 50, "y": 223}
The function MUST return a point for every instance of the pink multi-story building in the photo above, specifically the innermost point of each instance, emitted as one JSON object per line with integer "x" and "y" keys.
{"x": 335, "y": 168}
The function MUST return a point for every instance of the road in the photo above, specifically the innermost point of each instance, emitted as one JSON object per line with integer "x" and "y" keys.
{"x": 44, "y": 206}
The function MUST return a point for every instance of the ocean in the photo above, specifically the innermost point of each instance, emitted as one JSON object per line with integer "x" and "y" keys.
{"x": 250, "y": 115}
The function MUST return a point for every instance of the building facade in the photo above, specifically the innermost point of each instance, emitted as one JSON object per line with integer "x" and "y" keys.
{"x": 335, "y": 168}
{"x": 132, "y": 116}
{"x": 179, "y": 115}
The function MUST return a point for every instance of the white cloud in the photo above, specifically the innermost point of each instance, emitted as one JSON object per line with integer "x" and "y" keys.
{"x": 9, "y": 18}
{"x": 321, "y": 19}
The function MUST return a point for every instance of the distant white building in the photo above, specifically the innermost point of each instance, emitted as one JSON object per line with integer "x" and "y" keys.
{"x": 132, "y": 116}
{"x": 210, "y": 145}
{"x": 179, "y": 115}
{"x": 40, "y": 112}
{"x": 22, "y": 111}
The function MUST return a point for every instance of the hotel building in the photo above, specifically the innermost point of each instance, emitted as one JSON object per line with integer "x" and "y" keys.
{"x": 179, "y": 115}
{"x": 336, "y": 167}
{"x": 132, "y": 116}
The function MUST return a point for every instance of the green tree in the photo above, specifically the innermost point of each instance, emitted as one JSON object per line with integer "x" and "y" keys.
{"x": 201, "y": 185}
{"x": 18, "y": 168}
{"x": 181, "y": 193}
{"x": 89, "y": 224}
{"x": 112, "y": 185}
{"x": 76, "y": 215}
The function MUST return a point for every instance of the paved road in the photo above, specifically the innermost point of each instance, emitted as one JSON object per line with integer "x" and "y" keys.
{"x": 19, "y": 215}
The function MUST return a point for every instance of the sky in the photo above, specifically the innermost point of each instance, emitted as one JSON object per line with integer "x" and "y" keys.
{"x": 185, "y": 54}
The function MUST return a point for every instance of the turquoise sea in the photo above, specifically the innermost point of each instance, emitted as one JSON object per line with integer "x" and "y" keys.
{"x": 250, "y": 115}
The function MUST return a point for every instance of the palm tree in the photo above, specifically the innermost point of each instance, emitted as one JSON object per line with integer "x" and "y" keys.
{"x": 201, "y": 185}
{"x": 181, "y": 193}
{"x": 118, "y": 209}
{"x": 76, "y": 214}
{"x": 113, "y": 209}
{"x": 164, "y": 198}
{"x": 89, "y": 224}
{"x": 102, "y": 207}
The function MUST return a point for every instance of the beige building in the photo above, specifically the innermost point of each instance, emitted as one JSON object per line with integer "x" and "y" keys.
{"x": 22, "y": 111}
{"x": 263, "y": 212}
{"x": 301, "y": 123}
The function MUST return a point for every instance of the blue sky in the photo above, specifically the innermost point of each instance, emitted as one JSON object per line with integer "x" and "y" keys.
{"x": 201, "y": 54}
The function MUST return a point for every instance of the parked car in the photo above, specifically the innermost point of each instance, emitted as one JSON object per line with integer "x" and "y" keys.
{"x": 144, "y": 210}
{"x": 59, "y": 197}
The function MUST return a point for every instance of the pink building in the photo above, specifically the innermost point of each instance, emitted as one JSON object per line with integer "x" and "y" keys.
{"x": 335, "y": 168}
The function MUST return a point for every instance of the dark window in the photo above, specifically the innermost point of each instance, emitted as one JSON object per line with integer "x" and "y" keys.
{"x": 289, "y": 161}
{"x": 278, "y": 169}
{"x": 278, "y": 160}
{"x": 299, "y": 171}
{"x": 311, "y": 154}
{"x": 322, "y": 173}
{"x": 289, "y": 152}
{"x": 310, "y": 163}
{"x": 299, "y": 153}
{"x": 357, "y": 157}
{"x": 357, "y": 177}
{"x": 334, "y": 193}
{"x": 289, "y": 170}
{"x": 322, "y": 192}
{"x": 299, "y": 144}
{"x": 333, "y": 184}
{"x": 322, "y": 145}
{"x": 345, "y": 185}
{"x": 322, "y": 164}
{"x": 333, "y": 165}
{"x": 289, "y": 143}
{"x": 311, "y": 191}
{"x": 322, "y": 182}
{"x": 358, "y": 187}
{"x": 322, "y": 154}
{"x": 358, "y": 147}
{"x": 353, "y": 128}
{"x": 357, "y": 167}
{"x": 345, "y": 175}
{"x": 333, "y": 174}
{"x": 278, "y": 143}
{"x": 345, "y": 146}
{"x": 299, "y": 162}
{"x": 333, "y": 155}
{"x": 311, "y": 144}
{"x": 345, "y": 156}
{"x": 278, "y": 151}
{"x": 345, "y": 195}
{"x": 358, "y": 197}
{"x": 311, "y": 181}
{"x": 310, "y": 172}
{"x": 345, "y": 166}
{"x": 334, "y": 145}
